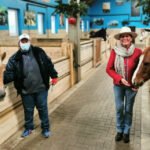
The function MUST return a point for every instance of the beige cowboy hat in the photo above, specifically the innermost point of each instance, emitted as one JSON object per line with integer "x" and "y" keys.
{"x": 125, "y": 30}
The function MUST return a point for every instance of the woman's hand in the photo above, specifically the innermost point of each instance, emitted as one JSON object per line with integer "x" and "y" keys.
{"x": 125, "y": 82}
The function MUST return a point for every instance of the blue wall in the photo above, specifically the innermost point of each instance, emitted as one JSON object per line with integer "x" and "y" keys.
{"x": 117, "y": 13}
{"x": 22, "y": 6}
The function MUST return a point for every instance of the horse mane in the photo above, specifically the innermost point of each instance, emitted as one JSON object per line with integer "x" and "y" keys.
{"x": 146, "y": 49}
{"x": 138, "y": 66}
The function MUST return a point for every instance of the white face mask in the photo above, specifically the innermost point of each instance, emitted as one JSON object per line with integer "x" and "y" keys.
{"x": 25, "y": 46}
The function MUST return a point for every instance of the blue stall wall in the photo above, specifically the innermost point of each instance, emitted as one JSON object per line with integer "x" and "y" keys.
{"x": 21, "y": 6}
{"x": 15, "y": 4}
{"x": 117, "y": 14}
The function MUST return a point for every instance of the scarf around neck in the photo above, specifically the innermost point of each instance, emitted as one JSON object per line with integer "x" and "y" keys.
{"x": 122, "y": 52}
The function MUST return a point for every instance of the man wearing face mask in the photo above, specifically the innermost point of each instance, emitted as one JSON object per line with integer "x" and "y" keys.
{"x": 30, "y": 69}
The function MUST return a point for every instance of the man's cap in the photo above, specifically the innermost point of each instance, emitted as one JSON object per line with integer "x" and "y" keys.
{"x": 125, "y": 30}
{"x": 24, "y": 36}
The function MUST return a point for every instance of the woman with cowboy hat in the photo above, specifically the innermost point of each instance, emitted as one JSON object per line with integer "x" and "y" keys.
{"x": 121, "y": 65}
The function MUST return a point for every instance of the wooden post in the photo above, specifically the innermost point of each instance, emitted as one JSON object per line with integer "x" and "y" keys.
{"x": 67, "y": 50}
{"x": 74, "y": 37}
{"x": 70, "y": 53}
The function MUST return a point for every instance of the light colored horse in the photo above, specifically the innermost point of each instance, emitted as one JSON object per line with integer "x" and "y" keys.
{"x": 144, "y": 36}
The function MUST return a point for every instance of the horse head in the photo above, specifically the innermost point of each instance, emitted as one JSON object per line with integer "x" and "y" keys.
{"x": 143, "y": 73}
{"x": 144, "y": 34}
{"x": 100, "y": 33}
{"x": 2, "y": 68}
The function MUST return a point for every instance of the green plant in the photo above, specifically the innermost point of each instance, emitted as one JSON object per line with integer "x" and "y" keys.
{"x": 71, "y": 9}
{"x": 146, "y": 8}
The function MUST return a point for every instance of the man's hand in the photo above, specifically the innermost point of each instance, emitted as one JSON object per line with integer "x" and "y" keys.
{"x": 54, "y": 81}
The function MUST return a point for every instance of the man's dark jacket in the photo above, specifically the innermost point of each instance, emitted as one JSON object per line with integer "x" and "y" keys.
{"x": 14, "y": 68}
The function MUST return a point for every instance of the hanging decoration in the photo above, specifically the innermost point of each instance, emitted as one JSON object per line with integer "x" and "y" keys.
{"x": 72, "y": 20}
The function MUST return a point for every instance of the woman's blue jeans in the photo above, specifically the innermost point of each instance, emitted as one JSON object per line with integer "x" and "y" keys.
{"x": 124, "y": 100}
{"x": 38, "y": 100}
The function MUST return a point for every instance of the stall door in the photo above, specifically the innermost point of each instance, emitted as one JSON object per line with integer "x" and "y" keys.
{"x": 53, "y": 24}
{"x": 13, "y": 22}
{"x": 40, "y": 23}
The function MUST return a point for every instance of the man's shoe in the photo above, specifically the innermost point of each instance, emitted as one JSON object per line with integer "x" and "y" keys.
{"x": 26, "y": 133}
{"x": 46, "y": 133}
{"x": 126, "y": 138}
{"x": 118, "y": 137}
